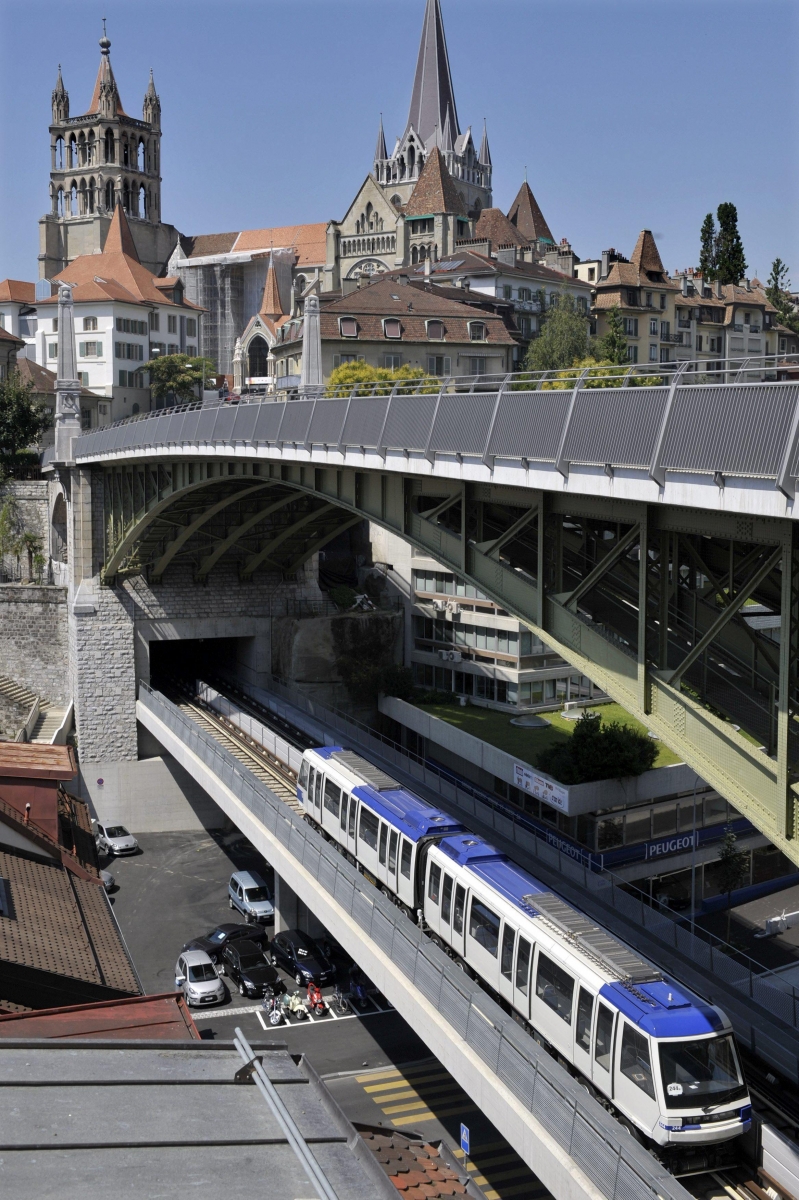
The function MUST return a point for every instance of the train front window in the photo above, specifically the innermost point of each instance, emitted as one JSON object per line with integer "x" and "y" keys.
{"x": 701, "y": 1074}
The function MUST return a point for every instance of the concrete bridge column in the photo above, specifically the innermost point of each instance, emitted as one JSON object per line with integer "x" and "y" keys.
{"x": 292, "y": 913}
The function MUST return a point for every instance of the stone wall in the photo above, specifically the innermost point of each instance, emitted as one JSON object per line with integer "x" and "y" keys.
{"x": 29, "y": 500}
{"x": 34, "y": 644}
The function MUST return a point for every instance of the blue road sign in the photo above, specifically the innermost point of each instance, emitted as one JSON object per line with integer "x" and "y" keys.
{"x": 465, "y": 1138}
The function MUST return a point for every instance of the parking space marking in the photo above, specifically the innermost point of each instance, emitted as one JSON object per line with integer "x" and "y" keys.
{"x": 261, "y": 1020}
{"x": 225, "y": 1012}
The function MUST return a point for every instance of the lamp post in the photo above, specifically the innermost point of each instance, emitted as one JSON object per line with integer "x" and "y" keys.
{"x": 154, "y": 352}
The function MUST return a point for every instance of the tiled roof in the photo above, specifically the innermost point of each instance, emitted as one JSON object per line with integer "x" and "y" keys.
{"x": 271, "y": 306}
{"x": 206, "y": 244}
{"x": 308, "y": 241}
{"x": 415, "y": 1168}
{"x": 646, "y": 256}
{"x": 495, "y": 226}
{"x": 31, "y": 759}
{"x": 435, "y": 190}
{"x": 525, "y": 214}
{"x": 6, "y": 336}
{"x": 105, "y": 74}
{"x": 17, "y": 289}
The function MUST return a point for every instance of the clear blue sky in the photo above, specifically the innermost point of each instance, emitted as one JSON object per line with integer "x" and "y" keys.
{"x": 628, "y": 114}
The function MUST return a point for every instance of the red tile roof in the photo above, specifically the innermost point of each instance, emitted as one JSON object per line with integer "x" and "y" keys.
{"x": 435, "y": 190}
{"x": 17, "y": 289}
{"x": 495, "y": 226}
{"x": 525, "y": 214}
{"x": 34, "y": 761}
{"x": 157, "y": 1018}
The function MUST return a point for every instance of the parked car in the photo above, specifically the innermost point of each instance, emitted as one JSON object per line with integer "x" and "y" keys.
{"x": 248, "y": 893}
{"x": 196, "y": 976}
{"x": 245, "y": 965}
{"x": 108, "y": 880}
{"x": 114, "y": 839}
{"x": 215, "y": 942}
{"x": 301, "y": 957}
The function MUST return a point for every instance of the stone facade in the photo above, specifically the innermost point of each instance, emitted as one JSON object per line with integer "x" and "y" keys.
{"x": 34, "y": 648}
{"x": 30, "y": 502}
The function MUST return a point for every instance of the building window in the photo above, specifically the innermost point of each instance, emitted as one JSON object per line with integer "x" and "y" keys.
{"x": 632, "y": 354}
{"x": 435, "y": 331}
{"x": 392, "y": 361}
{"x": 340, "y": 359}
{"x": 155, "y": 320}
{"x": 89, "y": 324}
{"x": 191, "y": 327}
{"x": 662, "y": 301}
{"x": 90, "y": 349}
{"x": 55, "y": 324}
{"x": 392, "y": 327}
{"x": 83, "y": 378}
{"x": 507, "y": 291}
{"x": 714, "y": 345}
{"x": 664, "y": 354}
{"x": 191, "y": 351}
{"x": 439, "y": 364}
{"x": 631, "y": 326}
{"x": 699, "y": 342}
{"x": 665, "y": 330}
{"x": 653, "y": 326}
{"x": 171, "y": 324}
{"x": 525, "y": 294}
{"x": 126, "y": 325}
{"x": 132, "y": 350}
{"x": 649, "y": 300}
{"x": 477, "y": 333}
{"x": 477, "y": 366}
{"x": 632, "y": 298}
{"x": 348, "y": 327}
{"x": 173, "y": 348}
{"x": 2, "y": 320}
{"x": 591, "y": 274}
{"x": 134, "y": 379}
{"x": 52, "y": 350}
{"x": 525, "y": 327}
{"x": 653, "y": 353}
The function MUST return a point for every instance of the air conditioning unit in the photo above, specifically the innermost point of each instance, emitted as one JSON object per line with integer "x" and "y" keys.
{"x": 450, "y": 656}
{"x": 439, "y": 605}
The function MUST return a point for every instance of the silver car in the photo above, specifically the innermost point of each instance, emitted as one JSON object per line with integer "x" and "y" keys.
{"x": 114, "y": 839}
{"x": 196, "y": 976}
{"x": 248, "y": 893}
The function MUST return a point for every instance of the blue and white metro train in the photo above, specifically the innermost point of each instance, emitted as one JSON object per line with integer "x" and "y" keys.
{"x": 659, "y": 1055}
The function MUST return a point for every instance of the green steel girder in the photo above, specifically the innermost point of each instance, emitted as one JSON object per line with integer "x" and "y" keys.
{"x": 521, "y": 566}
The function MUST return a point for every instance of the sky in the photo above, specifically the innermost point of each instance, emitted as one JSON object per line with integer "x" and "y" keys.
{"x": 626, "y": 114}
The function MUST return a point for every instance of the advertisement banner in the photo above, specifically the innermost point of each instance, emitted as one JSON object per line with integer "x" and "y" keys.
{"x": 542, "y": 788}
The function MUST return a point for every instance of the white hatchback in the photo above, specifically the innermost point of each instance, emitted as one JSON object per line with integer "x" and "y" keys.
{"x": 196, "y": 976}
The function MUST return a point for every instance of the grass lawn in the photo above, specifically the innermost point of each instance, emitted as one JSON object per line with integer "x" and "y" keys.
{"x": 526, "y": 744}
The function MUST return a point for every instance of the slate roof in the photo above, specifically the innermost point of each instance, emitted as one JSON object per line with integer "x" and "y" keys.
{"x": 525, "y": 214}
{"x": 435, "y": 190}
{"x": 433, "y": 98}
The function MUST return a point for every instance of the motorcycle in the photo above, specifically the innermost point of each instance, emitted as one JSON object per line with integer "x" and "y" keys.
{"x": 358, "y": 993}
{"x": 338, "y": 1002}
{"x": 291, "y": 1005}
{"x": 315, "y": 1000}
{"x": 274, "y": 1009}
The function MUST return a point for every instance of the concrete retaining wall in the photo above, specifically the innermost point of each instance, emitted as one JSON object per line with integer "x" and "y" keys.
{"x": 34, "y": 648}
{"x": 154, "y": 795}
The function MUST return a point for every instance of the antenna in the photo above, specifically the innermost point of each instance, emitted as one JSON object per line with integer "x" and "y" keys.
{"x": 104, "y": 34}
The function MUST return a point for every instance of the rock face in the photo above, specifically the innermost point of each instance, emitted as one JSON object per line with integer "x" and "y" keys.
{"x": 332, "y": 659}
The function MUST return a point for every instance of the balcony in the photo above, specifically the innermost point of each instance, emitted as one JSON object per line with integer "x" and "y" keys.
{"x": 737, "y": 328}
{"x": 754, "y": 329}
{"x": 679, "y": 339}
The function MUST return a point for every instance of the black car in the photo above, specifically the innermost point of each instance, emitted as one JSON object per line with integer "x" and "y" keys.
{"x": 301, "y": 957}
{"x": 224, "y": 935}
{"x": 246, "y": 966}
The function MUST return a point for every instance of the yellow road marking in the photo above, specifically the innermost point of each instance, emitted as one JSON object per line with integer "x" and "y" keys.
{"x": 446, "y": 1089}
{"x": 395, "y": 1108}
{"x": 501, "y": 1145}
{"x": 445, "y": 1112}
{"x": 516, "y": 1173}
{"x": 393, "y": 1073}
{"x": 381, "y": 1087}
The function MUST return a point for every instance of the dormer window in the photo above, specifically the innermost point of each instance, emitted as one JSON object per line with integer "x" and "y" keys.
{"x": 477, "y": 331}
{"x": 391, "y": 327}
{"x": 435, "y": 331}
{"x": 348, "y": 327}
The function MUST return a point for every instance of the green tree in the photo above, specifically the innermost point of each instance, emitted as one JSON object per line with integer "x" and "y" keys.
{"x": 22, "y": 420}
{"x": 612, "y": 346}
{"x": 730, "y": 261}
{"x": 602, "y": 373}
{"x": 349, "y": 375}
{"x": 733, "y": 869}
{"x": 599, "y": 751}
{"x": 178, "y": 376}
{"x": 563, "y": 337}
{"x": 777, "y": 290}
{"x": 707, "y": 250}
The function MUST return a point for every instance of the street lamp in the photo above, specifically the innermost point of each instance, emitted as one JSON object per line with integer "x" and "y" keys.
{"x": 154, "y": 352}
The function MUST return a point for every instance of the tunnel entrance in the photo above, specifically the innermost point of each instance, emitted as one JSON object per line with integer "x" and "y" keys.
{"x": 197, "y": 658}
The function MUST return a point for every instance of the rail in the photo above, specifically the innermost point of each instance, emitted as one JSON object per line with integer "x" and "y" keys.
{"x": 611, "y": 1160}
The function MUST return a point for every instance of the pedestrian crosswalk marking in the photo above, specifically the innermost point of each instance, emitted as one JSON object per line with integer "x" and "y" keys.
{"x": 382, "y": 1087}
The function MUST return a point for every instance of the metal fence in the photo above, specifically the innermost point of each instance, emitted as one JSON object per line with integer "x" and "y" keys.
{"x": 711, "y": 956}
{"x": 613, "y": 1162}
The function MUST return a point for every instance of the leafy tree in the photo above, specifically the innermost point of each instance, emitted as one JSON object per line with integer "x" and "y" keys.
{"x": 777, "y": 290}
{"x": 10, "y": 528}
{"x": 730, "y": 261}
{"x": 707, "y": 252}
{"x": 349, "y": 375}
{"x": 602, "y": 374}
{"x": 599, "y": 751}
{"x": 22, "y": 420}
{"x": 397, "y": 681}
{"x": 178, "y": 376}
{"x": 613, "y": 345}
{"x": 563, "y": 337}
{"x": 733, "y": 869}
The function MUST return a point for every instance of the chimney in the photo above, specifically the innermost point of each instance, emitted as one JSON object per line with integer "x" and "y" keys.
{"x": 684, "y": 284}
{"x": 507, "y": 255}
{"x": 748, "y": 284}
{"x": 428, "y": 267}
{"x": 605, "y": 264}
{"x": 717, "y": 286}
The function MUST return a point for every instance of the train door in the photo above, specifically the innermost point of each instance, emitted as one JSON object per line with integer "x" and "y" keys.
{"x": 405, "y": 877}
{"x": 553, "y": 1003}
{"x": 602, "y": 1059}
{"x": 391, "y": 865}
{"x": 459, "y": 920}
{"x": 342, "y": 829}
{"x": 309, "y": 803}
{"x": 352, "y": 820}
{"x": 634, "y": 1083}
{"x": 302, "y": 782}
{"x": 582, "y": 1031}
{"x": 382, "y": 853}
{"x": 319, "y": 784}
{"x": 432, "y": 903}
{"x": 447, "y": 890}
{"x": 507, "y": 954}
{"x": 332, "y": 804}
{"x": 482, "y": 940}
{"x": 520, "y": 998}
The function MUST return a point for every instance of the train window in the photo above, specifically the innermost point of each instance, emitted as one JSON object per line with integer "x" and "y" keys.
{"x": 353, "y": 815}
{"x": 304, "y": 774}
{"x": 332, "y": 797}
{"x": 523, "y": 958}
{"x": 368, "y": 828}
{"x": 434, "y": 883}
{"x": 555, "y": 987}
{"x": 484, "y": 926}
{"x": 311, "y": 779}
{"x": 585, "y": 1011}
{"x": 392, "y": 851}
{"x": 344, "y": 802}
{"x": 604, "y": 1037}
{"x": 457, "y": 912}
{"x": 405, "y": 858}
{"x": 635, "y": 1061}
{"x": 446, "y": 899}
{"x": 508, "y": 942}
{"x": 383, "y": 838}
{"x": 320, "y": 783}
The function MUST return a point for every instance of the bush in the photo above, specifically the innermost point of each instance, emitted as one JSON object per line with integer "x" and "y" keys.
{"x": 597, "y": 751}
{"x": 397, "y": 681}
{"x": 343, "y": 597}
{"x": 347, "y": 377}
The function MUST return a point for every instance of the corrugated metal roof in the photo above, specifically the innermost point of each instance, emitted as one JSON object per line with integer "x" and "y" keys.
{"x": 32, "y": 760}
{"x": 165, "y": 1016}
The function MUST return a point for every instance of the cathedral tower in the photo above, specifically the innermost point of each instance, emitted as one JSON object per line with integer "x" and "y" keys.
{"x": 433, "y": 122}
{"x": 97, "y": 160}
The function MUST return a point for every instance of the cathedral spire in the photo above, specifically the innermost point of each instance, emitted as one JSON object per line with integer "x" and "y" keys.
{"x": 105, "y": 98}
{"x": 380, "y": 150}
{"x": 151, "y": 109}
{"x": 484, "y": 156}
{"x": 271, "y": 304}
{"x": 60, "y": 99}
{"x": 432, "y": 99}
{"x": 446, "y": 136}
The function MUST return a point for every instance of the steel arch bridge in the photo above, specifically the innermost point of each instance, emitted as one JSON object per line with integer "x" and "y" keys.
{"x": 648, "y": 538}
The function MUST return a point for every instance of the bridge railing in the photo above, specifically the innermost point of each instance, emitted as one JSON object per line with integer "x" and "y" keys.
{"x": 610, "y": 1159}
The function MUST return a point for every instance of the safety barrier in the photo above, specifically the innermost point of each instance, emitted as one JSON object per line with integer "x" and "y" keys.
{"x": 612, "y": 1160}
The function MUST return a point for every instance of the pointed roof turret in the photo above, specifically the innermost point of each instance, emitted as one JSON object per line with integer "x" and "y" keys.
{"x": 435, "y": 190}
{"x": 120, "y": 239}
{"x": 446, "y": 136}
{"x": 525, "y": 214}
{"x": 60, "y": 99}
{"x": 380, "y": 149}
{"x": 105, "y": 97}
{"x": 485, "y": 154}
{"x": 432, "y": 99}
{"x": 271, "y": 304}
{"x": 646, "y": 256}
{"x": 151, "y": 109}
